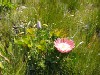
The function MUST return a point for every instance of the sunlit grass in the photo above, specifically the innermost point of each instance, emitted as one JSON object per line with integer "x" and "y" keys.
{"x": 74, "y": 19}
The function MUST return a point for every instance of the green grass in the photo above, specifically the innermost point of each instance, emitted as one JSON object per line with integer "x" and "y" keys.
{"x": 78, "y": 20}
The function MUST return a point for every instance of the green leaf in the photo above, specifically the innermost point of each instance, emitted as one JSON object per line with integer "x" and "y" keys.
{"x": 20, "y": 42}
{"x": 1, "y": 65}
{"x": 10, "y": 48}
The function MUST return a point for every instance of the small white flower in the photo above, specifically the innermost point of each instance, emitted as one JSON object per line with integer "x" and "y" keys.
{"x": 38, "y": 25}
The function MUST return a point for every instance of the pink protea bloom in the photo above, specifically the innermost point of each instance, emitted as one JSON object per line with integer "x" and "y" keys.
{"x": 64, "y": 45}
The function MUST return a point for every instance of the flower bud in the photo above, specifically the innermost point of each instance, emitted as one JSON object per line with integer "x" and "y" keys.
{"x": 38, "y": 25}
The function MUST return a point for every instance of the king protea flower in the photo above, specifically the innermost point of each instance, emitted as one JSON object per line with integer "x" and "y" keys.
{"x": 64, "y": 45}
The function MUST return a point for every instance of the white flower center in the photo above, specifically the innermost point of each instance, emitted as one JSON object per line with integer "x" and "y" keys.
{"x": 64, "y": 46}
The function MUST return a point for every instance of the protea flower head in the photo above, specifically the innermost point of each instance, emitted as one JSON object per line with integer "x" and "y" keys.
{"x": 64, "y": 45}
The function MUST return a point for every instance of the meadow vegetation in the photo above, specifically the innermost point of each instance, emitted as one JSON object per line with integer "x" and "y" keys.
{"x": 28, "y": 50}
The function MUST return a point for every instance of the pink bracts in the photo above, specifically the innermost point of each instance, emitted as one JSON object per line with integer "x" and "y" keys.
{"x": 64, "y": 45}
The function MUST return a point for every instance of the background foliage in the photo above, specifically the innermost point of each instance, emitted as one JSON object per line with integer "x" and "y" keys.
{"x": 27, "y": 50}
